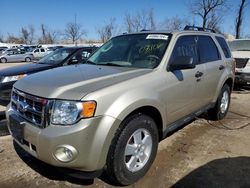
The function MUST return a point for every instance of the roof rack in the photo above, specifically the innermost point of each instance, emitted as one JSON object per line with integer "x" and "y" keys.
{"x": 196, "y": 28}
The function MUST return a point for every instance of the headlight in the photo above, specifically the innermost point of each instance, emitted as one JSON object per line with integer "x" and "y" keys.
{"x": 12, "y": 78}
{"x": 69, "y": 112}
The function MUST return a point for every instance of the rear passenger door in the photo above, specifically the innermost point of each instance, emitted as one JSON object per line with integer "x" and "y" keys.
{"x": 211, "y": 58}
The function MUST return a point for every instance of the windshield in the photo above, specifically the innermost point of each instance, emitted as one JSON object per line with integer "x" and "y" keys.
{"x": 56, "y": 56}
{"x": 135, "y": 51}
{"x": 240, "y": 45}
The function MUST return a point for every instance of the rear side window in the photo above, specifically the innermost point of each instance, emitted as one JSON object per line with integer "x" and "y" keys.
{"x": 186, "y": 46}
{"x": 224, "y": 47}
{"x": 42, "y": 50}
{"x": 208, "y": 50}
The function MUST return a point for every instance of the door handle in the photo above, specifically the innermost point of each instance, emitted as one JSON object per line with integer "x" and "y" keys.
{"x": 221, "y": 67}
{"x": 198, "y": 74}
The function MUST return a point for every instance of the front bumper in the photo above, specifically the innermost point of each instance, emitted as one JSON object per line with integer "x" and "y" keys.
{"x": 5, "y": 93}
{"x": 90, "y": 137}
{"x": 242, "y": 78}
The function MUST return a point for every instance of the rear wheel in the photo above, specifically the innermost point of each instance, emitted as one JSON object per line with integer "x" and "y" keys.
{"x": 222, "y": 105}
{"x": 27, "y": 59}
{"x": 133, "y": 149}
{"x": 3, "y": 60}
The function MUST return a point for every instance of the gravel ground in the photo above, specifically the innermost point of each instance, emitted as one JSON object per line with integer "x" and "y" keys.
{"x": 202, "y": 154}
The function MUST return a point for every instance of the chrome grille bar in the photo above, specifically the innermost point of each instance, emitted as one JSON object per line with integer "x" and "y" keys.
{"x": 29, "y": 107}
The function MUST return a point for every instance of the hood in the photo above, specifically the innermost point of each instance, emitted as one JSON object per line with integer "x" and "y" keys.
{"x": 241, "y": 54}
{"x": 24, "y": 69}
{"x": 76, "y": 81}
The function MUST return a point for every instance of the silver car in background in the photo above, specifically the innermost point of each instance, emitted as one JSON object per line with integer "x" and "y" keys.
{"x": 15, "y": 56}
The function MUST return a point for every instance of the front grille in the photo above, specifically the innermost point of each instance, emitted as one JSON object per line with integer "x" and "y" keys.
{"x": 241, "y": 62}
{"x": 29, "y": 107}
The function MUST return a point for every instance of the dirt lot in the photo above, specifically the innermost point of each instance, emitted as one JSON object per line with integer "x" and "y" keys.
{"x": 202, "y": 154}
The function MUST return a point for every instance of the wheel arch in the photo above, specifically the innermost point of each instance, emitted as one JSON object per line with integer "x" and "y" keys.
{"x": 230, "y": 83}
{"x": 152, "y": 112}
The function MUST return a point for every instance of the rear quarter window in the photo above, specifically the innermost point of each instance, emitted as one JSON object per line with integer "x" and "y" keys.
{"x": 224, "y": 47}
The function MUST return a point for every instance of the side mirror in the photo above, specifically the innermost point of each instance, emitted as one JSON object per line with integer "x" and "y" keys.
{"x": 182, "y": 62}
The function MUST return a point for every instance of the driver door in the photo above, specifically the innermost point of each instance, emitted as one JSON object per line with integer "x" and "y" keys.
{"x": 184, "y": 88}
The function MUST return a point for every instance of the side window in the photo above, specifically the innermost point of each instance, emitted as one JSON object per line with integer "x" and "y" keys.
{"x": 208, "y": 50}
{"x": 36, "y": 51}
{"x": 10, "y": 53}
{"x": 79, "y": 57}
{"x": 42, "y": 50}
{"x": 224, "y": 47}
{"x": 186, "y": 46}
{"x": 85, "y": 54}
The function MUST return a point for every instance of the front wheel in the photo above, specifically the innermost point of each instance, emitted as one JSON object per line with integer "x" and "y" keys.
{"x": 27, "y": 59}
{"x": 222, "y": 105}
{"x": 133, "y": 149}
{"x": 3, "y": 60}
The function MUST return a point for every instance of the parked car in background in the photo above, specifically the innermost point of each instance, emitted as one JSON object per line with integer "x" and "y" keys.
{"x": 15, "y": 56}
{"x": 111, "y": 113}
{"x": 60, "y": 57}
{"x": 53, "y": 48}
{"x": 241, "y": 52}
{"x": 38, "y": 53}
{"x": 2, "y": 49}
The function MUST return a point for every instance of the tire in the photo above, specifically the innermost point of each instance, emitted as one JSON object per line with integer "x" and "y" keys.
{"x": 27, "y": 59}
{"x": 144, "y": 149}
{"x": 3, "y": 60}
{"x": 222, "y": 105}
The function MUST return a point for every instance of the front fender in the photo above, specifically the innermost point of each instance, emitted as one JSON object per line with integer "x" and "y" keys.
{"x": 125, "y": 104}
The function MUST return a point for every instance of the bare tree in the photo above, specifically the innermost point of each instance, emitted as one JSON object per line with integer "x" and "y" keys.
{"x": 214, "y": 22}
{"x": 143, "y": 19}
{"x": 175, "y": 23}
{"x": 31, "y": 34}
{"x": 13, "y": 39}
{"x": 107, "y": 31}
{"x": 1, "y": 37}
{"x": 204, "y": 8}
{"x": 239, "y": 19}
{"x": 27, "y": 35}
{"x": 48, "y": 36}
{"x": 24, "y": 35}
{"x": 74, "y": 32}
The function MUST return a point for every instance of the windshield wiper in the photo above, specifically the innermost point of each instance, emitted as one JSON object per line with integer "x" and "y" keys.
{"x": 111, "y": 64}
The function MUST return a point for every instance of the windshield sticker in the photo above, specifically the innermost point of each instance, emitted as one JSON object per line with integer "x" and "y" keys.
{"x": 157, "y": 36}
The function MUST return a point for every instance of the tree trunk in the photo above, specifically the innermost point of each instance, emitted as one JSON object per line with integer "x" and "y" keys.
{"x": 239, "y": 20}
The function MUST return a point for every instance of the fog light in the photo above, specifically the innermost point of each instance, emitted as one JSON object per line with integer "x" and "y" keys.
{"x": 65, "y": 153}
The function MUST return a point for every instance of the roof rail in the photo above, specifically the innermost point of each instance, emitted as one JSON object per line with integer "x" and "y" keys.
{"x": 196, "y": 28}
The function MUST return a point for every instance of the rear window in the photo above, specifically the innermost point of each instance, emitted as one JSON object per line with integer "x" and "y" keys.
{"x": 208, "y": 50}
{"x": 224, "y": 47}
